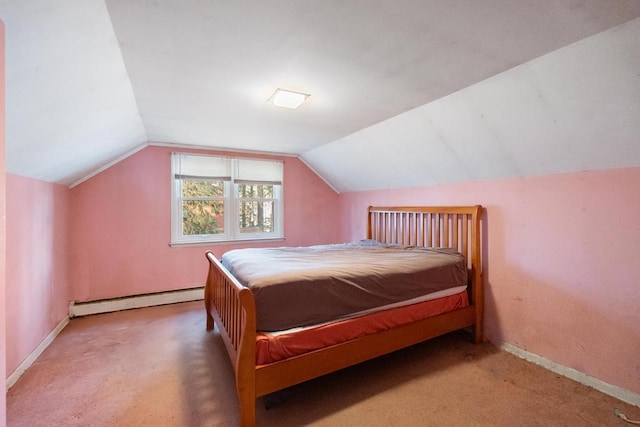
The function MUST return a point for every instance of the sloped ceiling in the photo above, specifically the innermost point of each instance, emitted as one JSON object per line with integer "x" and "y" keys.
{"x": 575, "y": 109}
{"x": 402, "y": 92}
{"x": 69, "y": 103}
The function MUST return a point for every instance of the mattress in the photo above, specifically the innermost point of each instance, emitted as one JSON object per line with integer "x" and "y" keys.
{"x": 273, "y": 347}
{"x": 301, "y": 286}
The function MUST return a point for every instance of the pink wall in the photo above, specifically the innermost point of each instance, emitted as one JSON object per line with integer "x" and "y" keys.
{"x": 120, "y": 228}
{"x": 37, "y": 263}
{"x": 559, "y": 252}
{"x": 3, "y": 238}
{"x": 561, "y": 263}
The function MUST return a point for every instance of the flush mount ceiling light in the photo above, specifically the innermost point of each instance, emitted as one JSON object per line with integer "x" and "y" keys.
{"x": 287, "y": 98}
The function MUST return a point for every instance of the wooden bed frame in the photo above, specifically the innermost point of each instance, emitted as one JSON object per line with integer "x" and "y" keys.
{"x": 231, "y": 306}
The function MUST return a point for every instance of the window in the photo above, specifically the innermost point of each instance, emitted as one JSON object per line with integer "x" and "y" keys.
{"x": 222, "y": 199}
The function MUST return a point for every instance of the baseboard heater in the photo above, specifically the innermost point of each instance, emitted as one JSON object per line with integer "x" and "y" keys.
{"x": 77, "y": 309}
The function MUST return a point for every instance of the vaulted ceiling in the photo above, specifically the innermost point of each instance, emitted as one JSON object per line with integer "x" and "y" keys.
{"x": 403, "y": 92}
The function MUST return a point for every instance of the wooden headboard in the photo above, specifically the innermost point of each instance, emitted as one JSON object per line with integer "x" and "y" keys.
{"x": 456, "y": 227}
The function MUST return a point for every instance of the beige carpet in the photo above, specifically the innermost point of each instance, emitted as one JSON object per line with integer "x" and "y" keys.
{"x": 159, "y": 367}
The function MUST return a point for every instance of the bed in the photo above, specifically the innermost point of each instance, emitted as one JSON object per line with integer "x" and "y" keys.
{"x": 232, "y": 307}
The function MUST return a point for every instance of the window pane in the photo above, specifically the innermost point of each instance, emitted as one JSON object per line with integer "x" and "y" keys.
{"x": 255, "y": 191}
{"x": 202, "y": 217}
{"x": 202, "y": 188}
{"x": 256, "y": 217}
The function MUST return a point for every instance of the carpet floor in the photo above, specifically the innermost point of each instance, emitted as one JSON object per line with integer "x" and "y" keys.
{"x": 158, "y": 366}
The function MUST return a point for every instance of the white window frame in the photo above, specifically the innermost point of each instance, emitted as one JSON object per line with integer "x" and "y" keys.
{"x": 238, "y": 168}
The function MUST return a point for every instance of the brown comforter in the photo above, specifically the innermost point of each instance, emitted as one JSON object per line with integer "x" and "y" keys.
{"x": 307, "y": 285}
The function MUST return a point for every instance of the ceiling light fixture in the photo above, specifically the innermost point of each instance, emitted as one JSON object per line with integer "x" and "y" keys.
{"x": 287, "y": 98}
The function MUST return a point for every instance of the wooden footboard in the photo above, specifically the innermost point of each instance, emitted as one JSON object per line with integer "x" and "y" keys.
{"x": 232, "y": 306}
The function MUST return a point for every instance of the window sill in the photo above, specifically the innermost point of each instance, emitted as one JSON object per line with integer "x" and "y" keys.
{"x": 224, "y": 242}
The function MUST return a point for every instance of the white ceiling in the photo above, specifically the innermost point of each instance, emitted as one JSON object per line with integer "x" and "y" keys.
{"x": 488, "y": 89}
{"x": 575, "y": 109}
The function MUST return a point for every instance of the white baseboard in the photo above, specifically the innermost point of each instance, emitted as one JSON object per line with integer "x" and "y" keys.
{"x": 26, "y": 363}
{"x": 606, "y": 388}
{"x": 137, "y": 301}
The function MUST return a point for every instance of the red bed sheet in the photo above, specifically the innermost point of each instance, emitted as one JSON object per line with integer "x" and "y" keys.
{"x": 274, "y": 347}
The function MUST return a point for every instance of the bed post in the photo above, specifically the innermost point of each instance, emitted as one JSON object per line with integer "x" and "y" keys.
{"x": 476, "y": 271}
{"x": 246, "y": 361}
{"x": 369, "y": 229}
{"x": 207, "y": 298}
